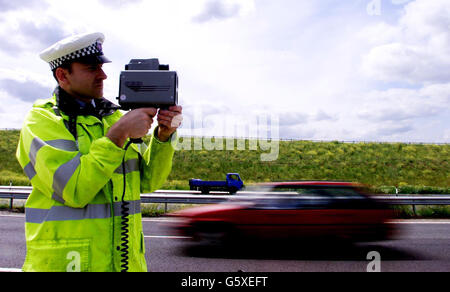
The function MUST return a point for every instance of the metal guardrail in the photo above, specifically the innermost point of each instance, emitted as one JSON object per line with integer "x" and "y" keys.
{"x": 195, "y": 197}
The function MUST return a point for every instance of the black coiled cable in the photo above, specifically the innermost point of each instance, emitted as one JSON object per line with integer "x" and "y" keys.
{"x": 125, "y": 220}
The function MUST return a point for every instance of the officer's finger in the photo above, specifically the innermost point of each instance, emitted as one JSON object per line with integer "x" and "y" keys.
{"x": 176, "y": 119}
{"x": 164, "y": 119}
{"x": 164, "y": 123}
{"x": 176, "y": 108}
{"x": 167, "y": 113}
{"x": 170, "y": 123}
{"x": 151, "y": 111}
{"x": 170, "y": 117}
{"x": 170, "y": 112}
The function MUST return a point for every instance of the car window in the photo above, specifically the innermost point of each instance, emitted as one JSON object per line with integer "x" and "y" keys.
{"x": 278, "y": 203}
{"x": 341, "y": 193}
{"x": 322, "y": 192}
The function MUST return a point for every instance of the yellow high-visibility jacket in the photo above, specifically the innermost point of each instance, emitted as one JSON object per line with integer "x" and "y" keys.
{"x": 72, "y": 216}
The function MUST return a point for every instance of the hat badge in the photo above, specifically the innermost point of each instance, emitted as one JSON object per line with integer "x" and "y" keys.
{"x": 99, "y": 46}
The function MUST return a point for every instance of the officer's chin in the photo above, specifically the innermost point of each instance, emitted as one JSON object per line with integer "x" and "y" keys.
{"x": 98, "y": 93}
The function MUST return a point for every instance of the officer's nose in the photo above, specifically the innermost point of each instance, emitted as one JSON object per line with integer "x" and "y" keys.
{"x": 102, "y": 75}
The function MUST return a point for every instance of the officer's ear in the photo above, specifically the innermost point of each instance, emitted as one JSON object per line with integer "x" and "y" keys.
{"x": 61, "y": 74}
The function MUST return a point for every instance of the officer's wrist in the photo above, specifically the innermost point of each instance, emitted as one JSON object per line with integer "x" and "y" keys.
{"x": 161, "y": 136}
{"x": 117, "y": 136}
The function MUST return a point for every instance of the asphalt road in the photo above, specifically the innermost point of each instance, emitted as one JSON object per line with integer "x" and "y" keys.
{"x": 421, "y": 246}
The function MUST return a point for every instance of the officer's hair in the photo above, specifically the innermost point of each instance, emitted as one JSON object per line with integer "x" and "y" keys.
{"x": 67, "y": 66}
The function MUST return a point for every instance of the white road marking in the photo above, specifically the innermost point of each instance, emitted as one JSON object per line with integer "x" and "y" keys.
{"x": 418, "y": 222}
{"x": 11, "y": 270}
{"x": 166, "y": 236}
{"x": 18, "y": 216}
{"x": 157, "y": 219}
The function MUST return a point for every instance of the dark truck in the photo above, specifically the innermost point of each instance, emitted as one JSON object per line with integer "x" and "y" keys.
{"x": 232, "y": 184}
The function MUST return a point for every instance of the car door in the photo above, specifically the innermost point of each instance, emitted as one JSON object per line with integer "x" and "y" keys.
{"x": 280, "y": 217}
{"x": 343, "y": 215}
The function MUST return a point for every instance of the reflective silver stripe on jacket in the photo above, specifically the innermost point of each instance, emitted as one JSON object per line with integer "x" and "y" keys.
{"x": 62, "y": 144}
{"x": 133, "y": 206}
{"x": 91, "y": 211}
{"x": 37, "y": 144}
{"x": 130, "y": 165}
{"x": 62, "y": 176}
{"x": 29, "y": 170}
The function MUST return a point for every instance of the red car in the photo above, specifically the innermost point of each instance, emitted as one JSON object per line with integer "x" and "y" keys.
{"x": 290, "y": 210}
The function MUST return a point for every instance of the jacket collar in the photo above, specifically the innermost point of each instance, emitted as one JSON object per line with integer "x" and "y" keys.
{"x": 69, "y": 105}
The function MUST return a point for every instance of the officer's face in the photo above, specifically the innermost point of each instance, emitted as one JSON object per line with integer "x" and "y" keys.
{"x": 86, "y": 80}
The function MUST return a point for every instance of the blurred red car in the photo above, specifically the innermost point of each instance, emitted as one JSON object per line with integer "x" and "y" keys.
{"x": 290, "y": 210}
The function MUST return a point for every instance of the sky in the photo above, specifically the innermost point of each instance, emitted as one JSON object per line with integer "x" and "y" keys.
{"x": 354, "y": 70}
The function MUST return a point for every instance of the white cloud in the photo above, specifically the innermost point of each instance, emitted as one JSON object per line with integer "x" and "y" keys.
{"x": 417, "y": 49}
{"x": 416, "y": 113}
{"x": 412, "y": 53}
{"x": 400, "y": 2}
{"x": 446, "y": 136}
{"x": 13, "y": 113}
{"x": 323, "y": 116}
{"x": 223, "y": 9}
{"x": 404, "y": 104}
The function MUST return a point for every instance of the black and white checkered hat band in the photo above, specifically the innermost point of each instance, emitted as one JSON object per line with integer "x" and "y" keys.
{"x": 90, "y": 50}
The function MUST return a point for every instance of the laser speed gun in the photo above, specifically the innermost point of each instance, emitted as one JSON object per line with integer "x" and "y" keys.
{"x": 146, "y": 83}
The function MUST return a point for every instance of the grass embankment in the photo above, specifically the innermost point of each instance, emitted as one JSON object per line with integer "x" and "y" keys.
{"x": 411, "y": 168}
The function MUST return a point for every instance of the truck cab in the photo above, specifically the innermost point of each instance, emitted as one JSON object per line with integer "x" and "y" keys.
{"x": 234, "y": 182}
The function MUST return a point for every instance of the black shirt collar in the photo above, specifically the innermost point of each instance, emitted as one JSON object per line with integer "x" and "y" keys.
{"x": 71, "y": 107}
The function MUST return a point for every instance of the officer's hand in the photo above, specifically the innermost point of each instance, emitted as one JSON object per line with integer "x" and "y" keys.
{"x": 134, "y": 124}
{"x": 168, "y": 121}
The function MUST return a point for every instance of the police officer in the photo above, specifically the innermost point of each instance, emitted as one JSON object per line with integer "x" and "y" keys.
{"x": 72, "y": 148}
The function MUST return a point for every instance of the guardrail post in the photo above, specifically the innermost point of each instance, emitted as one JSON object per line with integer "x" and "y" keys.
{"x": 11, "y": 200}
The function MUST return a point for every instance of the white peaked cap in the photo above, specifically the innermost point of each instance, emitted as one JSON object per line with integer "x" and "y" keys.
{"x": 85, "y": 47}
